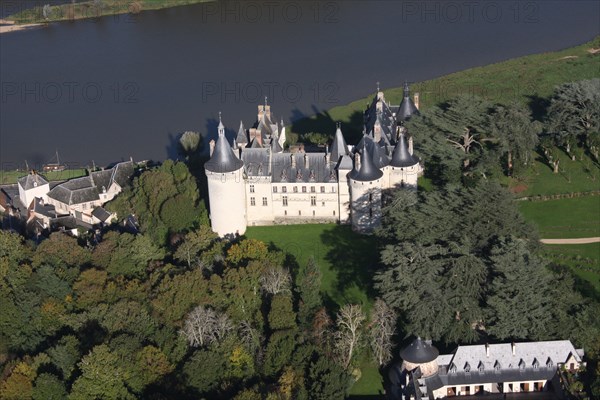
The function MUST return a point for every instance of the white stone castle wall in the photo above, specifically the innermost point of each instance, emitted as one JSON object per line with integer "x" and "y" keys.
{"x": 227, "y": 197}
{"x": 366, "y": 213}
{"x": 406, "y": 176}
{"x": 344, "y": 196}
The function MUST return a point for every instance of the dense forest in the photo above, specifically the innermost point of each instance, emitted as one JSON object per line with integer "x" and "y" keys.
{"x": 174, "y": 312}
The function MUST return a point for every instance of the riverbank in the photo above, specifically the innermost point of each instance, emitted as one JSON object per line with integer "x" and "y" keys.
{"x": 86, "y": 10}
{"x": 11, "y": 26}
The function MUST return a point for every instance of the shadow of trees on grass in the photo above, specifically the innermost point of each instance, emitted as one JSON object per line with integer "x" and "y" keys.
{"x": 353, "y": 257}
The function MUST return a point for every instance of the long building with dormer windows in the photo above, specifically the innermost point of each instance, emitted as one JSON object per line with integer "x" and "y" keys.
{"x": 254, "y": 181}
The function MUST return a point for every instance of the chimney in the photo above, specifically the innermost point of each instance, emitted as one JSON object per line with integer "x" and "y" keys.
{"x": 268, "y": 111}
{"x": 327, "y": 154}
{"x": 293, "y": 160}
{"x": 487, "y": 350}
{"x": 357, "y": 161}
{"x": 306, "y": 164}
{"x": 410, "y": 145}
{"x": 212, "y": 146}
{"x": 512, "y": 345}
{"x": 261, "y": 111}
{"x": 416, "y": 99}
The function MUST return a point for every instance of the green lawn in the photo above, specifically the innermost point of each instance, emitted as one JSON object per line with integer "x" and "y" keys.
{"x": 581, "y": 175}
{"x": 527, "y": 80}
{"x": 9, "y": 177}
{"x": 87, "y": 9}
{"x": 583, "y": 259}
{"x": 564, "y": 218}
{"x": 346, "y": 260}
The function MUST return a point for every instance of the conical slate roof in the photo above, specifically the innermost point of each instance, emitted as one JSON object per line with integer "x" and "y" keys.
{"x": 401, "y": 157}
{"x": 275, "y": 146}
{"x": 367, "y": 170}
{"x": 338, "y": 147}
{"x": 241, "y": 138}
{"x": 223, "y": 160}
{"x": 407, "y": 107}
{"x": 419, "y": 352}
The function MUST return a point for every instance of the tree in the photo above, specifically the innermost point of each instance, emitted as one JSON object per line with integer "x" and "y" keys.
{"x": 194, "y": 246}
{"x": 574, "y": 114}
{"x": 515, "y": 309}
{"x": 198, "y": 376}
{"x": 308, "y": 286}
{"x": 19, "y": 385}
{"x": 102, "y": 377}
{"x": 516, "y": 133}
{"x": 275, "y": 280}
{"x": 48, "y": 387}
{"x": 190, "y": 143}
{"x": 12, "y": 247}
{"x": 281, "y": 314}
{"x": 204, "y": 326}
{"x": 381, "y": 329}
{"x": 349, "y": 321}
{"x": 65, "y": 354}
{"x": 326, "y": 380}
{"x": 279, "y": 351}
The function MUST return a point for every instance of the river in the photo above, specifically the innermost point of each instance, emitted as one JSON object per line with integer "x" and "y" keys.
{"x": 122, "y": 86}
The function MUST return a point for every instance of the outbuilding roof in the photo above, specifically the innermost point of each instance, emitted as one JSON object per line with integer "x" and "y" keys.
{"x": 419, "y": 352}
{"x": 31, "y": 181}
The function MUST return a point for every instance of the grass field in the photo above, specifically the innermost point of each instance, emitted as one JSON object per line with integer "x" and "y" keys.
{"x": 88, "y": 9}
{"x": 10, "y": 177}
{"x": 346, "y": 260}
{"x": 564, "y": 218}
{"x": 583, "y": 259}
{"x": 526, "y": 80}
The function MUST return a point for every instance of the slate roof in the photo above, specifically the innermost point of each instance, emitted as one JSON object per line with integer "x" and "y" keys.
{"x": 401, "y": 157}
{"x": 47, "y": 210}
{"x": 319, "y": 170}
{"x": 339, "y": 147}
{"x": 242, "y": 136}
{"x": 88, "y": 188}
{"x": 223, "y": 159}
{"x": 31, "y": 181}
{"x": 101, "y": 214}
{"x": 419, "y": 352}
{"x": 407, "y": 107}
{"x": 367, "y": 170}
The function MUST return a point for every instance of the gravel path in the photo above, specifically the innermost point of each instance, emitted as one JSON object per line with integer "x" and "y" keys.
{"x": 571, "y": 241}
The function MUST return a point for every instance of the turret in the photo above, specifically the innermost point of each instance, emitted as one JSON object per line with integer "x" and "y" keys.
{"x": 365, "y": 190}
{"x": 339, "y": 147}
{"x": 226, "y": 193}
{"x": 404, "y": 167}
{"x": 407, "y": 107}
{"x": 420, "y": 354}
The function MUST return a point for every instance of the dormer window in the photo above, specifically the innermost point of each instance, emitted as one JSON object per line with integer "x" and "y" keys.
{"x": 453, "y": 368}
{"x": 549, "y": 363}
{"x": 521, "y": 365}
{"x": 535, "y": 364}
{"x": 467, "y": 367}
{"x": 481, "y": 367}
{"x": 497, "y": 366}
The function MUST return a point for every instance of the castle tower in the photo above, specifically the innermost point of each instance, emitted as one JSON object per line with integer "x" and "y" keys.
{"x": 340, "y": 160}
{"x": 226, "y": 192}
{"x": 407, "y": 107}
{"x": 365, "y": 191}
{"x": 404, "y": 168}
{"x": 420, "y": 354}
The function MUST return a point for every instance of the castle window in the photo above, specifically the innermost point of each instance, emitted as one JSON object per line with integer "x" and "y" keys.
{"x": 322, "y": 189}
{"x": 285, "y": 202}
{"x": 334, "y": 213}
{"x": 313, "y": 213}
{"x": 264, "y": 201}
{"x": 85, "y": 206}
{"x": 370, "y": 213}
{"x": 370, "y": 197}
{"x": 284, "y": 189}
{"x": 303, "y": 189}
{"x": 299, "y": 212}
{"x": 285, "y": 213}
{"x": 313, "y": 189}
{"x": 313, "y": 200}
{"x": 295, "y": 189}
{"x": 274, "y": 189}
{"x": 252, "y": 201}
{"x": 323, "y": 203}
{"x": 251, "y": 188}
{"x": 333, "y": 189}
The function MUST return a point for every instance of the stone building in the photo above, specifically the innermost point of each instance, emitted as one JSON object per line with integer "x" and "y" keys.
{"x": 481, "y": 369}
{"x": 253, "y": 181}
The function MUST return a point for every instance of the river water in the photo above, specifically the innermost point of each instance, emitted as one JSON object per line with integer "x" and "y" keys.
{"x": 122, "y": 86}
